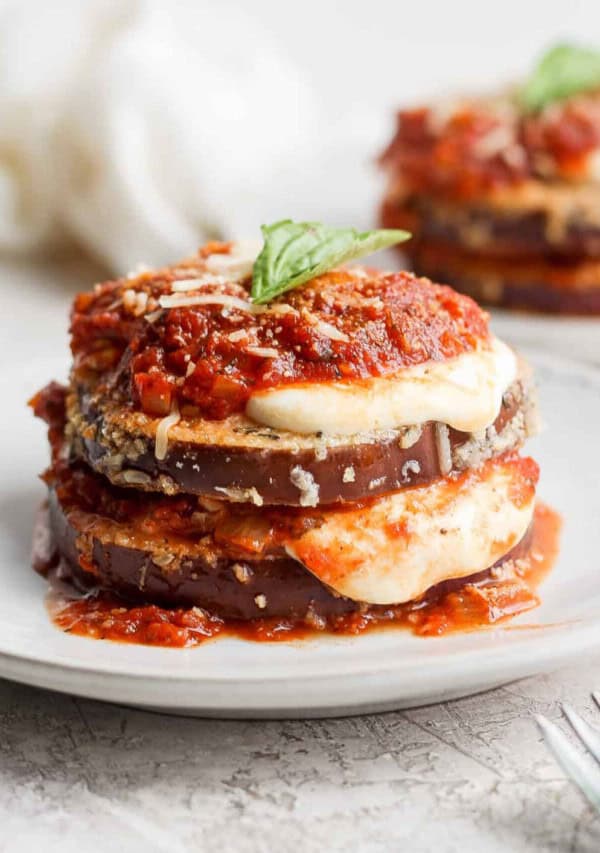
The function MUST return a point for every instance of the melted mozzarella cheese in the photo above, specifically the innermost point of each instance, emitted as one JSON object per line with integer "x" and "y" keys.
{"x": 464, "y": 392}
{"x": 397, "y": 548}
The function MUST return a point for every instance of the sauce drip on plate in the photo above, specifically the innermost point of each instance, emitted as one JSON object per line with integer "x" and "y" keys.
{"x": 501, "y": 594}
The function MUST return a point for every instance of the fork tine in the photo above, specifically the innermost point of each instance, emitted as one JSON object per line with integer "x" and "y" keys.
{"x": 589, "y": 736}
{"x": 575, "y": 765}
{"x": 596, "y": 697}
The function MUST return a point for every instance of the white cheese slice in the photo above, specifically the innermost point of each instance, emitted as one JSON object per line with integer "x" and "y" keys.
{"x": 464, "y": 392}
{"x": 398, "y": 547}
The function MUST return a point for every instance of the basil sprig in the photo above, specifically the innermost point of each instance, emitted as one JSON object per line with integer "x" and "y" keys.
{"x": 563, "y": 71}
{"x": 295, "y": 252}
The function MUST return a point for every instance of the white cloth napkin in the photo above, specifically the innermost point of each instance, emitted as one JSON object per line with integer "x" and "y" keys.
{"x": 140, "y": 129}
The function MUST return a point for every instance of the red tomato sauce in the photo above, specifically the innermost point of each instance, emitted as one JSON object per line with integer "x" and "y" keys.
{"x": 493, "y": 600}
{"x": 478, "y": 148}
{"x": 209, "y": 359}
{"x": 448, "y": 160}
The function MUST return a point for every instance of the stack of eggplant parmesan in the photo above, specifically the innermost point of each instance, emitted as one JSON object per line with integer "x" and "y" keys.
{"x": 350, "y": 445}
{"x": 502, "y": 193}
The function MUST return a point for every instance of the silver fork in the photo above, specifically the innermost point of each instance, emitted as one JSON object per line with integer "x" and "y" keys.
{"x": 577, "y": 766}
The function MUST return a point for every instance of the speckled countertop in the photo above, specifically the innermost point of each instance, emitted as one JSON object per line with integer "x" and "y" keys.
{"x": 470, "y": 775}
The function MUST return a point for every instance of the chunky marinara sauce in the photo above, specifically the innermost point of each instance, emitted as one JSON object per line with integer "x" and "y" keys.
{"x": 494, "y": 599}
{"x": 209, "y": 358}
{"x": 478, "y": 147}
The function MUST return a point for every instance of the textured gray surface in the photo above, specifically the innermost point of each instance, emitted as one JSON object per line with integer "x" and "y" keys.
{"x": 471, "y": 775}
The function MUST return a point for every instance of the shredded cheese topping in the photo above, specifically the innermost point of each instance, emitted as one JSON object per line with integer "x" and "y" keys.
{"x": 183, "y": 285}
{"x": 282, "y": 308}
{"x": 442, "y": 441}
{"x": 154, "y": 315}
{"x": 325, "y": 328}
{"x": 331, "y": 331}
{"x": 135, "y": 302}
{"x": 238, "y": 263}
{"x": 162, "y": 432}
{"x": 262, "y": 352}
{"x": 239, "y": 495}
{"x": 306, "y": 485}
{"x": 224, "y": 299}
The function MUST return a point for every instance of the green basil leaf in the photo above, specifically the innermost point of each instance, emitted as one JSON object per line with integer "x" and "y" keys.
{"x": 295, "y": 252}
{"x": 563, "y": 71}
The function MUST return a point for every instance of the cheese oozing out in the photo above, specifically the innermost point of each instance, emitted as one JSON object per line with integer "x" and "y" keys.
{"x": 464, "y": 392}
{"x": 398, "y": 547}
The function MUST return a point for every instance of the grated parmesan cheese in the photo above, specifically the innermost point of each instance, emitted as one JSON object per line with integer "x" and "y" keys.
{"x": 238, "y": 335}
{"x": 410, "y": 467}
{"x": 238, "y": 263}
{"x": 282, "y": 308}
{"x": 262, "y": 352}
{"x": 238, "y": 495}
{"x": 410, "y": 435}
{"x": 163, "y": 560}
{"x": 162, "y": 432}
{"x": 137, "y": 478}
{"x": 330, "y": 331}
{"x": 225, "y": 299}
{"x": 183, "y": 285}
{"x": 242, "y": 572}
{"x": 305, "y": 483}
{"x": 135, "y": 302}
{"x": 442, "y": 441}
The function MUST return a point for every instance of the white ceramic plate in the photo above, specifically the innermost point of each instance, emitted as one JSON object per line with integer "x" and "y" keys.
{"x": 325, "y": 676}
{"x": 573, "y": 337}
